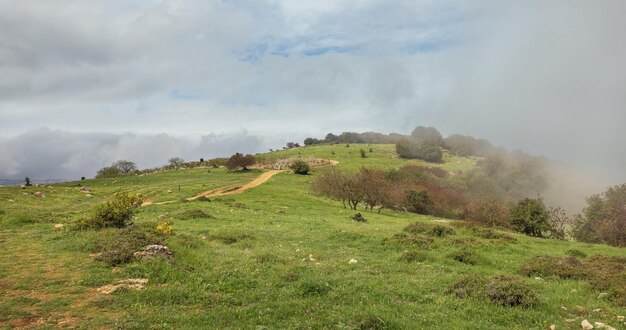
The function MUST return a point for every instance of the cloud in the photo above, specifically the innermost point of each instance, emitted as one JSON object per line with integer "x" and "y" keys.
{"x": 55, "y": 154}
{"x": 547, "y": 78}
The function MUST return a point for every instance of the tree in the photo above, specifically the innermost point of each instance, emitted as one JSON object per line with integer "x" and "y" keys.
{"x": 530, "y": 216}
{"x": 27, "y": 182}
{"x": 604, "y": 218}
{"x": 108, "y": 172}
{"x": 373, "y": 187}
{"x": 431, "y": 134}
{"x": 559, "y": 222}
{"x": 125, "y": 167}
{"x": 240, "y": 160}
{"x": 311, "y": 141}
{"x": 176, "y": 162}
{"x": 300, "y": 167}
{"x": 419, "y": 201}
{"x": 426, "y": 150}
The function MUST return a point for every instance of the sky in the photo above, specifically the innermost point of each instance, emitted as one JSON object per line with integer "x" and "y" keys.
{"x": 85, "y": 83}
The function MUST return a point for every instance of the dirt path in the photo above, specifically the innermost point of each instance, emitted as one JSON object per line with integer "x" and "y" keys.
{"x": 231, "y": 190}
{"x": 228, "y": 190}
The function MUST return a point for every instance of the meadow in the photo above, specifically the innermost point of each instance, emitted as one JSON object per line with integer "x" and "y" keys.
{"x": 274, "y": 257}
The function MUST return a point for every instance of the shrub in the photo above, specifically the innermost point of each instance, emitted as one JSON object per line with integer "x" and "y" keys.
{"x": 464, "y": 256}
{"x": 192, "y": 214}
{"x": 300, "y": 167}
{"x": 604, "y": 218}
{"x": 530, "y": 216}
{"x": 576, "y": 253}
{"x": 505, "y": 290}
{"x": 362, "y": 151}
{"x": 165, "y": 227}
{"x": 239, "y": 160}
{"x": 358, "y": 218}
{"x": 108, "y": 172}
{"x": 117, "y": 247}
{"x": 419, "y": 201}
{"x": 371, "y": 150}
{"x": 510, "y": 291}
{"x": 433, "y": 230}
{"x": 413, "y": 256}
{"x": 116, "y": 212}
{"x": 402, "y": 238}
{"x": 425, "y": 150}
{"x": 371, "y": 322}
{"x": 491, "y": 213}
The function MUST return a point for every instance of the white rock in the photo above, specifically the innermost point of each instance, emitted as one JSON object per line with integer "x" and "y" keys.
{"x": 586, "y": 325}
{"x": 353, "y": 261}
{"x": 620, "y": 318}
{"x": 597, "y": 310}
{"x": 58, "y": 225}
{"x": 602, "y": 295}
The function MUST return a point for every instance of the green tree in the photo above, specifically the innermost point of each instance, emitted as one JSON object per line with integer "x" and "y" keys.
{"x": 419, "y": 201}
{"x": 531, "y": 217}
{"x": 604, "y": 218}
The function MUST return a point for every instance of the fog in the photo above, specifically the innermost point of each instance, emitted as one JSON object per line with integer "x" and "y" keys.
{"x": 145, "y": 81}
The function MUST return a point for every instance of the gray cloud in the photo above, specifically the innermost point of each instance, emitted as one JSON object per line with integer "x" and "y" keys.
{"x": 547, "y": 78}
{"x": 54, "y": 154}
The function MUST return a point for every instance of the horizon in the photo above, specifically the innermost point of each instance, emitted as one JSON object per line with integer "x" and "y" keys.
{"x": 96, "y": 82}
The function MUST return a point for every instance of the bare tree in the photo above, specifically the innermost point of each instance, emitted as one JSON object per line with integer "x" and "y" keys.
{"x": 125, "y": 167}
{"x": 176, "y": 162}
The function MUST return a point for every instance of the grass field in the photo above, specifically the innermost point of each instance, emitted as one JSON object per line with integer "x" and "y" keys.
{"x": 273, "y": 257}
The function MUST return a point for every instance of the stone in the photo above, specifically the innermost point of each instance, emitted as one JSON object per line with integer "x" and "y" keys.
{"x": 586, "y": 325}
{"x": 600, "y": 325}
{"x": 152, "y": 251}
{"x": 131, "y": 283}
{"x": 39, "y": 194}
{"x": 602, "y": 295}
{"x": 620, "y": 318}
{"x": 353, "y": 261}
{"x": 58, "y": 225}
{"x": 552, "y": 327}
{"x": 85, "y": 190}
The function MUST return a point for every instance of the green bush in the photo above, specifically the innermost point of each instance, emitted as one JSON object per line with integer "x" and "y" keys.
{"x": 576, "y": 253}
{"x": 413, "y": 256}
{"x": 425, "y": 150}
{"x": 465, "y": 256}
{"x": 116, "y": 212}
{"x": 117, "y": 247}
{"x": 505, "y": 290}
{"x": 530, "y": 216}
{"x": 362, "y": 151}
{"x": 192, "y": 214}
{"x": 300, "y": 167}
{"x": 433, "y": 230}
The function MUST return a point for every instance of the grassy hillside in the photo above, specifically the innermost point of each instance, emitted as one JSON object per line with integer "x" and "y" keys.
{"x": 275, "y": 256}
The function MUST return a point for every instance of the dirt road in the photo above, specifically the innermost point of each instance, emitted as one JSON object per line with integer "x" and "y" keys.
{"x": 231, "y": 190}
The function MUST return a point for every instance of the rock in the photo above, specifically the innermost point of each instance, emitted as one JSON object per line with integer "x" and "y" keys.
{"x": 358, "y": 217}
{"x": 311, "y": 257}
{"x": 602, "y": 295}
{"x": 88, "y": 195}
{"x": 353, "y": 261}
{"x": 601, "y": 325}
{"x": 22, "y": 186}
{"x": 39, "y": 194}
{"x": 95, "y": 255}
{"x": 152, "y": 251}
{"x": 11, "y": 201}
{"x": 586, "y": 325}
{"x": 132, "y": 283}
{"x": 58, "y": 225}
{"x": 85, "y": 190}
{"x": 564, "y": 308}
{"x": 597, "y": 310}
{"x": 552, "y": 327}
{"x": 538, "y": 278}
{"x": 169, "y": 191}
{"x": 620, "y": 318}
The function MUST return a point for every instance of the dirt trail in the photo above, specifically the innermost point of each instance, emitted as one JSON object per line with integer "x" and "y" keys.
{"x": 230, "y": 190}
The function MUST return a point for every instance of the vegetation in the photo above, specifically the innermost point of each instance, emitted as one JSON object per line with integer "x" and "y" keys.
{"x": 300, "y": 167}
{"x": 279, "y": 256}
{"x": 604, "y": 218}
{"x": 116, "y": 212}
{"x": 240, "y": 160}
{"x": 119, "y": 168}
{"x": 426, "y": 150}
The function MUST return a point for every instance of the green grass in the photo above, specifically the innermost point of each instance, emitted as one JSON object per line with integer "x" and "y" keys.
{"x": 275, "y": 256}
